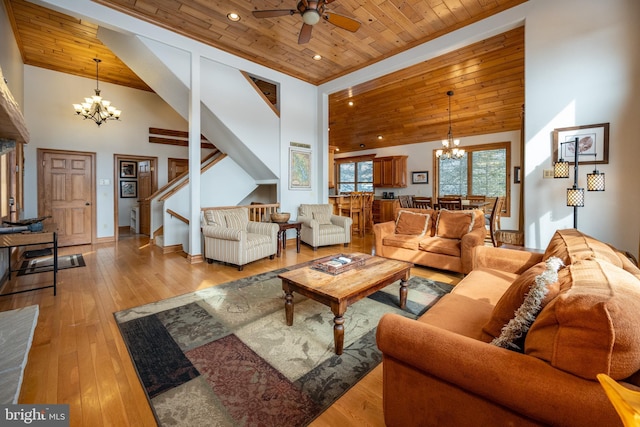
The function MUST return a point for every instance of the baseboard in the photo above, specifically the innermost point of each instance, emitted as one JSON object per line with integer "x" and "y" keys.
{"x": 172, "y": 249}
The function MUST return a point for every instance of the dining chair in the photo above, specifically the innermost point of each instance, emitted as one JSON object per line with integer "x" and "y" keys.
{"x": 406, "y": 201}
{"x": 476, "y": 202}
{"x": 450, "y": 203}
{"x": 355, "y": 211}
{"x": 422, "y": 202}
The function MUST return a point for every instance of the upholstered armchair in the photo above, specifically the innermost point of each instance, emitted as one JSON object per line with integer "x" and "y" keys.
{"x": 320, "y": 227}
{"x": 230, "y": 237}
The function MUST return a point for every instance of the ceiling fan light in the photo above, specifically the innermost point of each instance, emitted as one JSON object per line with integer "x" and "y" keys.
{"x": 311, "y": 17}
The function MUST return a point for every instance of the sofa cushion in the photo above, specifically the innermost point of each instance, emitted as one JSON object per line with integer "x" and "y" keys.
{"x": 404, "y": 241}
{"x": 571, "y": 245}
{"x": 412, "y": 223}
{"x": 439, "y": 245}
{"x": 591, "y": 327}
{"x": 454, "y": 225}
{"x": 514, "y": 296}
{"x": 322, "y": 217}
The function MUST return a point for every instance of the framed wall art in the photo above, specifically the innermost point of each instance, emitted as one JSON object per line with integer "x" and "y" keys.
{"x": 128, "y": 189}
{"x": 128, "y": 169}
{"x": 593, "y": 143}
{"x": 420, "y": 177}
{"x": 299, "y": 169}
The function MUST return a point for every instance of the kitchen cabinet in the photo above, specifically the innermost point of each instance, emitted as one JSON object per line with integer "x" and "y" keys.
{"x": 390, "y": 172}
{"x": 383, "y": 210}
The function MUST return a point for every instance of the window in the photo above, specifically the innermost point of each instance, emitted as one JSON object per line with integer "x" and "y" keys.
{"x": 355, "y": 174}
{"x": 483, "y": 171}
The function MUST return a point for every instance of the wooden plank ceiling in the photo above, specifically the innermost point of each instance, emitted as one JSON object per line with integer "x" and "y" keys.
{"x": 64, "y": 43}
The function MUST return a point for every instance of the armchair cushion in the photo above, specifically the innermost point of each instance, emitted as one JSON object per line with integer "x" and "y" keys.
{"x": 322, "y": 218}
{"x": 454, "y": 225}
{"x": 238, "y": 222}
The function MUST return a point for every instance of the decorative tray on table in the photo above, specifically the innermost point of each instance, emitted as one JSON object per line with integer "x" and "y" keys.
{"x": 336, "y": 264}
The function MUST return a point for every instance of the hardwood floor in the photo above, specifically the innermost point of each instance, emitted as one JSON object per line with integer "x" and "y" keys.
{"x": 78, "y": 356}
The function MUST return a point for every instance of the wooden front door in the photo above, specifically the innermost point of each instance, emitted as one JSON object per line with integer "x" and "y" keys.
{"x": 66, "y": 191}
{"x": 177, "y": 167}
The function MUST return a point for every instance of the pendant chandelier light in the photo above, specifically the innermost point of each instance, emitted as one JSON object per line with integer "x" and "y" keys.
{"x": 95, "y": 108}
{"x": 450, "y": 148}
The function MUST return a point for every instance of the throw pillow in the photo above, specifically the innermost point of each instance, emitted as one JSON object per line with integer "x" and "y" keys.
{"x": 322, "y": 218}
{"x": 515, "y": 295}
{"x": 236, "y": 222}
{"x": 208, "y": 217}
{"x": 591, "y": 327}
{"x": 515, "y": 330}
{"x": 411, "y": 223}
{"x": 454, "y": 225}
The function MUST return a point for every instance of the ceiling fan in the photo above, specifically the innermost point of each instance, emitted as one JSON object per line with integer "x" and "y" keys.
{"x": 311, "y": 12}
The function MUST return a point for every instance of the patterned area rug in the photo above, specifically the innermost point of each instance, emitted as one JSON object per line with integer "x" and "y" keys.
{"x": 224, "y": 356}
{"x": 40, "y": 265}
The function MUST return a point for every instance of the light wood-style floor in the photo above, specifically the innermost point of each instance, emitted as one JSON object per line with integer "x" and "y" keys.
{"x": 78, "y": 356}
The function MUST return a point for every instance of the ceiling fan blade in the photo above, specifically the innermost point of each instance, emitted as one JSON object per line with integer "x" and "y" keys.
{"x": 342, "y": 22}
{"x": 273, "y": 13}
{"x": 305, "y": 34}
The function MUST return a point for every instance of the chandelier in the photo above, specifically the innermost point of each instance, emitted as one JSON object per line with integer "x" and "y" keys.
{"x": 95, "y": 108}
{"x": 450, "y": 148}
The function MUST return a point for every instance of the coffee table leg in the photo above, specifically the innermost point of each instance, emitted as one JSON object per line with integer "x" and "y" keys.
{"x": 338, "y": 334}
{"x": 288, "y": 306}
{"x": 403, "y": 293}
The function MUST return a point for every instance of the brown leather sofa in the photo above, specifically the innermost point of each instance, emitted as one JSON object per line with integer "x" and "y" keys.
{"x": 446, "y": 241}
{"x": 443, "y": 370}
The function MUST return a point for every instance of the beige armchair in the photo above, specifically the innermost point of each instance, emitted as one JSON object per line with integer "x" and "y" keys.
{"x": 321, "y": 228}
{"x": 230, "y": 237}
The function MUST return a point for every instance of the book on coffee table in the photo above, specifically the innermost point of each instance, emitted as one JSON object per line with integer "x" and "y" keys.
{"x": 336, "y": 264}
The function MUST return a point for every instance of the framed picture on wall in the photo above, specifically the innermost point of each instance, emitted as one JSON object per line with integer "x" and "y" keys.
{"x": 299, "y": 169}
{"x": 593, "y": 143}
{"x": 128, "y": 189}
{"x": 420, "y": 177}
{"x": 128, "y": 169}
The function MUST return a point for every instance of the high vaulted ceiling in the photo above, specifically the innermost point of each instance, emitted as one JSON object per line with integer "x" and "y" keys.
{"x": 60, "y": 42}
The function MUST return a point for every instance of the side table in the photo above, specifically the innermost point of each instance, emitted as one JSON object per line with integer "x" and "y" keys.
{"x": 282, "y": 235}
{"x": 46, "y": 237}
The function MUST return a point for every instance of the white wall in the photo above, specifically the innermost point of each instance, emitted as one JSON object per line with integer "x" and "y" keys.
{"x": 10, "y": 60}
{"x": 52, "y": 124}
{"x": 582, "y": 66}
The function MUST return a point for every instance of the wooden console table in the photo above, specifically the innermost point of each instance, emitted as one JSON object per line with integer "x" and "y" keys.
{"x": 13, "y": 240}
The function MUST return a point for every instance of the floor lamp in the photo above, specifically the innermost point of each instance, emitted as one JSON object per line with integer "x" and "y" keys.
{"x": 575, "y": 194}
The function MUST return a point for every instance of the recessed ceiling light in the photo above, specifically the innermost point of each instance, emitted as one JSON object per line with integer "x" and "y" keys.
{"x": 232, "y": 16}
{"x": 379, "y": 136}
{"x": 317, "y": 57}
{"x": 361, "y": 145}
{"x": 350, "y": 103}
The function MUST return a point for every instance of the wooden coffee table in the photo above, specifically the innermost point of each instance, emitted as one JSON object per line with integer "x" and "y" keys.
{"x": 342, "y": 290}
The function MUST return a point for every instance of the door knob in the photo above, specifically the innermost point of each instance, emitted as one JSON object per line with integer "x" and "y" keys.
{"x": 87, "y": 204}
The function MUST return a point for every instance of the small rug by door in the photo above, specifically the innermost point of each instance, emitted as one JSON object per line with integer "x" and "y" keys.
{"x": 40, "y": 265}
{"x": 224, "y": 356}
